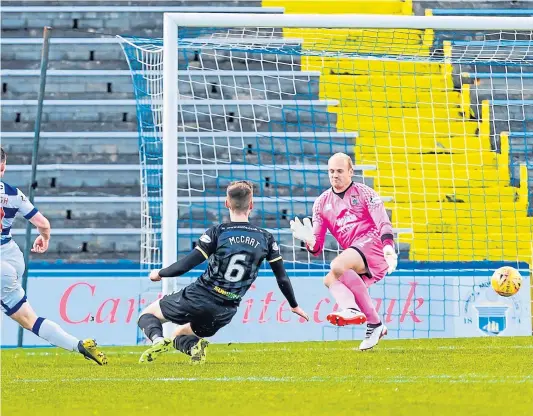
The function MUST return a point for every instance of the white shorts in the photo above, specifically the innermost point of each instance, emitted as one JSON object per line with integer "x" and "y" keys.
{"x": 11, "y": 269}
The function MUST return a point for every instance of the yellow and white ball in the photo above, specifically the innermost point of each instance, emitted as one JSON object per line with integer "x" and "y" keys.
{"x": 506, "y": 281}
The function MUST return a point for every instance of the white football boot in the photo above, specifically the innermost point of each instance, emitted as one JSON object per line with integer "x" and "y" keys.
{"x": 349, "y": 316}
{"x": 373, "y": 335}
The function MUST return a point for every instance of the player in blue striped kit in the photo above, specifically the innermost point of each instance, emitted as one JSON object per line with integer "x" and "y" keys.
{"x": 13, "y": 299}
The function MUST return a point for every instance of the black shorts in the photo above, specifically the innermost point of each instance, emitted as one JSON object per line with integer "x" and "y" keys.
{"x": 197, "y": 306}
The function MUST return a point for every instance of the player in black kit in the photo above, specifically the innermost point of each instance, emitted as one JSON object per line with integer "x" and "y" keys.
{"x": 235, "y": 251}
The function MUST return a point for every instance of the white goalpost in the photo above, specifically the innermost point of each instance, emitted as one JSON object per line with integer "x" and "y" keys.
{"x": 169, "y": 218}
{"x": 437, "y": 113}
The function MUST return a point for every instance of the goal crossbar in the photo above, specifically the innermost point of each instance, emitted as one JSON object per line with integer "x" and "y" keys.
{"x": 360, "y": 21}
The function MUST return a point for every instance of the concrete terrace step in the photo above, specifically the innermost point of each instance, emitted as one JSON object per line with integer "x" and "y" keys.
{"x": 483, "y": 12}
{"x": 89, "y": 204}
{"x": 134, "y": 3}
{"x": 108, "y": 84}
{"x": 222, "y": 115}
{"x": 24, "y": 127}
{"x": 511, "y": 115}
{"x": 265, "y": 187}
{"x": 186, "y": 168}
{"x": 125, "y": 212}
{"x": 196, "y": 179}
{"x": 129, "y": 239}
{"x": 512, "y": 52}
{"x": 194, "y": 216}
{"x": 183, "y": 231}
{"x": 135, "y": 20}
{"x": 66, "y": 10}
{"x": 24, "y": 52}
{"x": 96, "y": 240}
{"x": 501, "y": 89}
{"x": 122, "y": 147}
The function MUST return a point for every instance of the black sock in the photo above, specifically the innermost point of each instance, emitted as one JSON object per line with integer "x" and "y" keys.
{"x": 184, "y": 343}
{"x": 374, "y": 325}
{"x": 151, "y": 326}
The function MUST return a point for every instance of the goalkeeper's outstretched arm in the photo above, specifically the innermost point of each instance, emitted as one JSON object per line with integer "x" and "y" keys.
{"x": 319, "y": 229}
{"x": 312, "y": 234}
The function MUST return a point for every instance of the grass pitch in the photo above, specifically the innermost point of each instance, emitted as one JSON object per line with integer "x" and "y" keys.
{"x": 481, "y": 376}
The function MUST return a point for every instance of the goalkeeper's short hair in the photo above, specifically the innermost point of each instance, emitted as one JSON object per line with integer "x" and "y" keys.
{"x": 345, "y": 157}
{"x": 240, "y": 195}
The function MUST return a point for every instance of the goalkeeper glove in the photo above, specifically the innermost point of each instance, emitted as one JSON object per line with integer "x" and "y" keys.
{"x": 390, "y": 257}
{"x": 303, "y": 232}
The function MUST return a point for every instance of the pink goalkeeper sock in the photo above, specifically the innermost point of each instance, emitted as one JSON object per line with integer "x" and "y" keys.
{"x": 356, "y": 285}
{"x": 342, "y": 295}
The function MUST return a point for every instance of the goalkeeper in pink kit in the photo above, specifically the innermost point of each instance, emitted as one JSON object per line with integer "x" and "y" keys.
{"x": 354, "y": 214}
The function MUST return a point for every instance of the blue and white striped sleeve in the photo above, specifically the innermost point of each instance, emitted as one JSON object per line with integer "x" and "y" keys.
{"x": 25, "y": 207}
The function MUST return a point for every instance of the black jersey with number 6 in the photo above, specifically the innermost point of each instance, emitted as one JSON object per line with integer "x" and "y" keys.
{"x": 235, "y": 251}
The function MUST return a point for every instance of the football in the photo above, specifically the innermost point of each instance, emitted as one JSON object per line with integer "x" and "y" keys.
{"x": 506, "y": 281}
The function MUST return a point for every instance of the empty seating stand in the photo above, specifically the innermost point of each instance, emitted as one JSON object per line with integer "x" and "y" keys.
{"x": 88, "y": 178}
{"x": 143, "y": 19}
{"x": 482, "y": 12}
{"x": 473, "y": 7}
{"x": 89, "y": 125}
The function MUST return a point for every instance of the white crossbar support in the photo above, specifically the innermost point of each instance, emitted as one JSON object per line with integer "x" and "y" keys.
{"x": 360, "y": 21}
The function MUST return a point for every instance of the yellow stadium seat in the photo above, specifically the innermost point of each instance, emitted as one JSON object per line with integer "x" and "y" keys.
{"x": 410, "y": 81}
{"x": 403, "y": 161}
{"x": 394, "y": 98}
{"x": 404, "y": 142}
{"x": 342, "y": 6}
{"x": 475, "y": 195}
{"x": 361, "y": 66}
{"x": 409, "y": 114}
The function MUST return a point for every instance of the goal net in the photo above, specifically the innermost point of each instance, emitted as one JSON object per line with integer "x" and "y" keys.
{"x": 436, "y": 112}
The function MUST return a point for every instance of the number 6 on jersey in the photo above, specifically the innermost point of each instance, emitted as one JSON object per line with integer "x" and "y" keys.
{"x": 235, "y": 270}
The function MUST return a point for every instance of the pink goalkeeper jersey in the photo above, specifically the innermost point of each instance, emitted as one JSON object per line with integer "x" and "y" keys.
{"x": 359, "y": 213}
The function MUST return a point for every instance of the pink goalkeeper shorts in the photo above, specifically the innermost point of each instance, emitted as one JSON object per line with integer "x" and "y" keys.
{"x": 371, "y": 250}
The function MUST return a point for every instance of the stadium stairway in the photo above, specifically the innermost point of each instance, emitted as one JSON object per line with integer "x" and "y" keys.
{"x": 432, "y": 157}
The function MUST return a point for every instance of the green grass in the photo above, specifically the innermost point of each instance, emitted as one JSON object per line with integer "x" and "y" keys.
{"x": 480, "y": 376}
